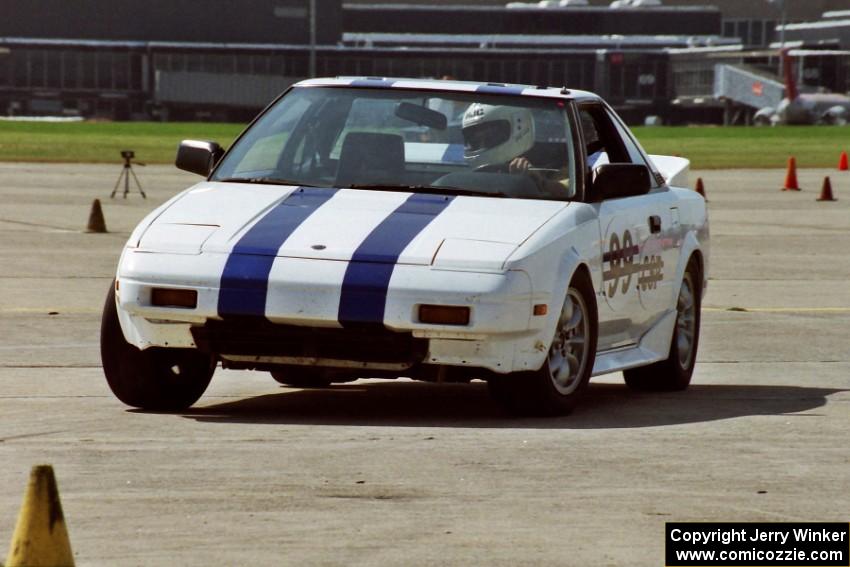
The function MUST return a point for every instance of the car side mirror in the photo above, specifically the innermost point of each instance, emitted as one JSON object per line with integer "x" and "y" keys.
{"x": 198, "y": 157}
{"x": 615, "y": 180}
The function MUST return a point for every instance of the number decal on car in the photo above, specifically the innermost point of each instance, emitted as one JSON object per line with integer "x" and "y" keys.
{"x": 652, "y": 272}
{"x": 621, "y": 263}
{"x": 622, "y": 266}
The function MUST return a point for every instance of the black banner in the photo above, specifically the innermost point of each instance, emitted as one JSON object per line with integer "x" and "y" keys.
{"x": 766, "y": 544}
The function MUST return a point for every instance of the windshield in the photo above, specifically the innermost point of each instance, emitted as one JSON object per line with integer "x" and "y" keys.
{"x": 420, "y": 141}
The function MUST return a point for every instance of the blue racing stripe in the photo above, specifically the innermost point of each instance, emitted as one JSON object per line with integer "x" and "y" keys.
{"x": 245, "y": 279}
{"x": 499, "y": 89}
{"x": 367, "y": 278}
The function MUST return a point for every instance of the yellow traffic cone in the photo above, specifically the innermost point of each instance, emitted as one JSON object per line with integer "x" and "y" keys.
{"x": 41, "y": 538}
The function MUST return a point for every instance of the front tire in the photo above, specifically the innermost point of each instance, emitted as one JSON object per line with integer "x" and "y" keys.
{"x": 556, "y": 387}
{"x": 159, "y": 379}
{"x": 675, "y": 372}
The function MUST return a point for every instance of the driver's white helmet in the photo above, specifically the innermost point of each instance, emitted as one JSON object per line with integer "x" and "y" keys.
{"x": 496, "y": 134}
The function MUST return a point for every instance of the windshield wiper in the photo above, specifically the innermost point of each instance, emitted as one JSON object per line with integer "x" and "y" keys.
{"x": 425, "y": 188}
{"x": 263, "y": 181}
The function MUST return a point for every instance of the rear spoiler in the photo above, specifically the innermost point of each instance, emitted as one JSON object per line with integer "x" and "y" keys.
{"x": 674, "y": 169}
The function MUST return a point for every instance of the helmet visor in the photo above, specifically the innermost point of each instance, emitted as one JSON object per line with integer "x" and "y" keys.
{"x": 486, "y": 135}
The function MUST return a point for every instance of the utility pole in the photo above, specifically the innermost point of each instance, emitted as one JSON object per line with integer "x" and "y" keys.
{"x": 782, "y": 21}
{"x": 312, "y": 39}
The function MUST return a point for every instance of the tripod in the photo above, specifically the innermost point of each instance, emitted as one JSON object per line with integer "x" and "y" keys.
{"x": 125, "y": 174}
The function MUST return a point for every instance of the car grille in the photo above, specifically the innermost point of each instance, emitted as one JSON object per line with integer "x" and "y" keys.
{"x": 262, "y": 338}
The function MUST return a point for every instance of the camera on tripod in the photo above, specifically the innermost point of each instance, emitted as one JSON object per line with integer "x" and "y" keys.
{"x": 126, "y": 172}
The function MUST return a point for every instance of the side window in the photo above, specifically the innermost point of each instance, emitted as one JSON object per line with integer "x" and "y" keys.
{"x": 593, "y": 143}
{"x": 602, "y": 140}
{"x": 608, "y": 141}
{"x": 635, "y": 154}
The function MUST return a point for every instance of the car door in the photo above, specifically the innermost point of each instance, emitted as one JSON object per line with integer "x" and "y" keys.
{"x": 661, "y": 234}
{"x": 631, "y": 262}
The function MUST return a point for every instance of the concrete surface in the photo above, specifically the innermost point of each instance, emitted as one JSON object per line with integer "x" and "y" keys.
{"x": 402, "y": 473}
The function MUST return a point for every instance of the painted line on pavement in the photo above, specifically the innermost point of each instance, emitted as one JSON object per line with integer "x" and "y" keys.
{"x": 48, "y": 310}
{"x": 778, "y": 309}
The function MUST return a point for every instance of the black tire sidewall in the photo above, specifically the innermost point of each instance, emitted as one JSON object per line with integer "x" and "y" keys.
{"x": 668, "y": 374}
{"x": 564, "y": 403}
{"x": 534, "y": 392}
{"x": 142, "y": 378}
{"x": 685, "y": 373}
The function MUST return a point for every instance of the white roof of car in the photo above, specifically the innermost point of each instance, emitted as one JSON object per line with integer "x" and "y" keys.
{"x": 450, "y": 86}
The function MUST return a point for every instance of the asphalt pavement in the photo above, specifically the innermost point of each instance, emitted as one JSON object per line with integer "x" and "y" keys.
{"x": 404, "y": 473}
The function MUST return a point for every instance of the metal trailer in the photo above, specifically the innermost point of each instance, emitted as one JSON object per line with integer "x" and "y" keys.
{"x": 588, "y": 20}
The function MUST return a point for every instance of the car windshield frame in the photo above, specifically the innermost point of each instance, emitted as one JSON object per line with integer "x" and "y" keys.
{"x": 317, "y": 120}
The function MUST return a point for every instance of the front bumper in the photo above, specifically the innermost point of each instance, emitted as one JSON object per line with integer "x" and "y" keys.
{"x": 502, "y": 336}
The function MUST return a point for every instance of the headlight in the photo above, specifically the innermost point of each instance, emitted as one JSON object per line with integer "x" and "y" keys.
{"x": 176, "y": 238}
{"x": 472, "y": 255}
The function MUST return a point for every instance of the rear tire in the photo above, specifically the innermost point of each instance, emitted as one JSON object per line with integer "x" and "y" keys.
{"x": 675, "y": 372}
{"x": 159, "y": 379}
{"x": 300, "y": 377}
{"x": 556, "y": 387}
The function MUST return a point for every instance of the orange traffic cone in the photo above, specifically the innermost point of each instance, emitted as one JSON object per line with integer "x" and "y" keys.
{"x": 842, "y": 162}
{"x": 700, "y": 188}
{"x": 826, "y": 191}
{"x": 791, "y": 176}
{"x": 96, "y": 221}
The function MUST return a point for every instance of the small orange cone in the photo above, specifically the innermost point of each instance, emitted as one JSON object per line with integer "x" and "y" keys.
{"x": 791, "y": 176}
{"x": 826, "y": 191}
{"x": 700, "y": 188}
{"x": 96, "y": 221}
{"x": 842, "y": 162}
{"x": 41, "y": 538}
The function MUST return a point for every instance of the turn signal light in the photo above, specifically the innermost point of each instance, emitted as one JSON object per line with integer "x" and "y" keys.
{"x": 162, "y": 297}
{"x": 443, "y": 315}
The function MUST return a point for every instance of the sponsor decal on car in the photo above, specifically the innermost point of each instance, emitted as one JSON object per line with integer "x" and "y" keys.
{"x": 622, "y": 266}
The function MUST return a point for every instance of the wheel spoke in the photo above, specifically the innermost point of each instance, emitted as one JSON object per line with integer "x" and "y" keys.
{"x": 558, "y": 342}
{"x": 563, "y": 374}
{"x": 567, "y": 314}
{"x": 573, "y": 363}
{"x": 574, "y": 321}
{"x": 556, "y": 361}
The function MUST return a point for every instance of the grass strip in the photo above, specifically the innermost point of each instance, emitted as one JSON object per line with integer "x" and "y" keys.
{"x": 708, "y": 147}
{"x": 101, "y": 142}
{"x": 713, "y": 147}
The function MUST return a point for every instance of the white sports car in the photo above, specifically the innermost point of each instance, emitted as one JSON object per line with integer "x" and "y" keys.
{"x": 437, "y": 230}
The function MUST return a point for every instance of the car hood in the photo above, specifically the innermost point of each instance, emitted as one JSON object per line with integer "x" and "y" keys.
{"x": 334, "y": 224}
